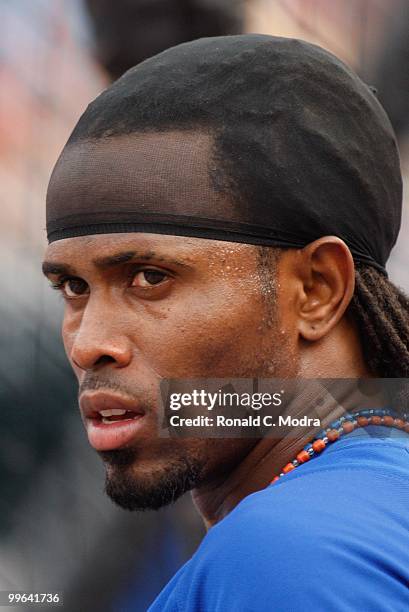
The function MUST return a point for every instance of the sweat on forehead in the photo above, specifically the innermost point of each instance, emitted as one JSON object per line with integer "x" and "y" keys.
{"x": 302, "y": 149}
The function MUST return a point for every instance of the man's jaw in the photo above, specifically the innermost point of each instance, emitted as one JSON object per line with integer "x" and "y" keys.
{"x": 134, "y": 482}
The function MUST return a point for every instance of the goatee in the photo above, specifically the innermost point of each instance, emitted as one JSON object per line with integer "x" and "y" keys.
{"x": 150, "y": 491}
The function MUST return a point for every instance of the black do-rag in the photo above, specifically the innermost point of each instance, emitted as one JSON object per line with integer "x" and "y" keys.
{"x": 304, "y": 146}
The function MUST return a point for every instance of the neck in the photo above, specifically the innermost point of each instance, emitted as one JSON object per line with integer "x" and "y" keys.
{"x": 215, "y": 499}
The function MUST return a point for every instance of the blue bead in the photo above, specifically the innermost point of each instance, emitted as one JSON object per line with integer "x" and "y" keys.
{"x": 319, "y": 435}
{"x": 307, "y": 447}
{"x": 378, "y": 412}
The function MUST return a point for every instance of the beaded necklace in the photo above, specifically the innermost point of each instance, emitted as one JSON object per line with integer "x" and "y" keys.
{"x": 344, "y": 425}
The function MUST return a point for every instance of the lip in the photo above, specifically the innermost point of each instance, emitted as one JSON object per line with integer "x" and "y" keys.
{"x": 112, "y": 436}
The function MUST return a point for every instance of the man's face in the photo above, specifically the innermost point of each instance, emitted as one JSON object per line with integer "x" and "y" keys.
{"x": 143, "y": 307}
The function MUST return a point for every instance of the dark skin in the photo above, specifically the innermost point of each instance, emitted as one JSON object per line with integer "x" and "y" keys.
{"x": 141, "y": 307}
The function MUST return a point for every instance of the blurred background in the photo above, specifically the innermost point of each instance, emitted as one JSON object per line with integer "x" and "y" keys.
{"x": 58, "y": 531}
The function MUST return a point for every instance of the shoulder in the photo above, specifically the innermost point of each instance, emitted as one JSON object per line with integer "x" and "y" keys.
{"x": 275, "y": 527}
{"x": 331, "y": 539}
{"x": 302, "y": 542}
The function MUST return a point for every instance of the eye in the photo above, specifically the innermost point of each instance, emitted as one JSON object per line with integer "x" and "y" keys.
{"x": 74, "y": 287}
{"x": 148, "y": 278}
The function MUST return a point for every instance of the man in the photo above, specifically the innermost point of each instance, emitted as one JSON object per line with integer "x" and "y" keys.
{"x": 226, "y": 209}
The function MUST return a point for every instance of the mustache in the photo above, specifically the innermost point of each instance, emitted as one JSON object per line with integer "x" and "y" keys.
{"x": 91, "y": 382}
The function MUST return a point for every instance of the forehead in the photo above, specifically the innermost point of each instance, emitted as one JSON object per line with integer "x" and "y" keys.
{"x": 159, "y": 173}
{"x": 181, "y": 251}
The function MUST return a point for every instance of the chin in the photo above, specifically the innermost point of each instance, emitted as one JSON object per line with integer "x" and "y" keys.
{"x": 135, "y": 483}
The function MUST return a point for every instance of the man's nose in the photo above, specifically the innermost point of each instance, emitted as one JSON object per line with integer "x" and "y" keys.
{"x": 100, "y": 340}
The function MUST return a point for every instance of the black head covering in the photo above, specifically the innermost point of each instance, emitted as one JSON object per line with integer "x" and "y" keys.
{"x": 302, "y": 145}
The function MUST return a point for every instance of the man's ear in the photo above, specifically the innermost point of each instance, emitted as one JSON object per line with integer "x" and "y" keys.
{"x": 328, "y": 273}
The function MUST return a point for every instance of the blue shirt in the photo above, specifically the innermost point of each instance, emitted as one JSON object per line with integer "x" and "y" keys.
{"x": 332, "y": 535}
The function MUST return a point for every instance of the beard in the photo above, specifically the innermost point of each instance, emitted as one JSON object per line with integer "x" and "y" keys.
{"x": 132, "y": 488}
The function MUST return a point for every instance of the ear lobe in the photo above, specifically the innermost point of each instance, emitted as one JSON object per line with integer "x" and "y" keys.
{"x": 328, "y": 287}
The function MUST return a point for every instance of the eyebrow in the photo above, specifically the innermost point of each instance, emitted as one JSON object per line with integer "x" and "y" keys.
{"x": 104, "y": 263}
{"x": 50, "y": 267}
{"x": 126, "y": 256}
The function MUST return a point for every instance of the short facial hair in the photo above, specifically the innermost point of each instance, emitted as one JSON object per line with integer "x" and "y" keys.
{"x": 159, "y": 488}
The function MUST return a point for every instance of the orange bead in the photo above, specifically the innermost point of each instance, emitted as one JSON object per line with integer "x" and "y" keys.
{"x": 376, "y": 420}
{"x": 303, "y": 456}
{"x": 348, "y": 426}
{"x": 318, "y": 445}
{"x": 275, "y": 479}
{"x": 399, "y": 423}
{"x": 287, "y": 468}
{"x": 362, "y": 421}
{"x": 388, "y": 420}
{"x": 332, "y": 435}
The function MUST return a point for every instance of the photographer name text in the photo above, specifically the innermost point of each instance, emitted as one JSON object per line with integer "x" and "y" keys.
{"x": 248, "y": 421}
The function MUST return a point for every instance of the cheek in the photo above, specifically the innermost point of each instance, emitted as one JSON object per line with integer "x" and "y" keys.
{"x": 215, "y": 335}
{"x": 69, "y": 330}
{"x": 67, "y": 336}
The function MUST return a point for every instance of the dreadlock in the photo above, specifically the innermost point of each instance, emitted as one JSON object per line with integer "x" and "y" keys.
{"x": 381, "y": 312}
